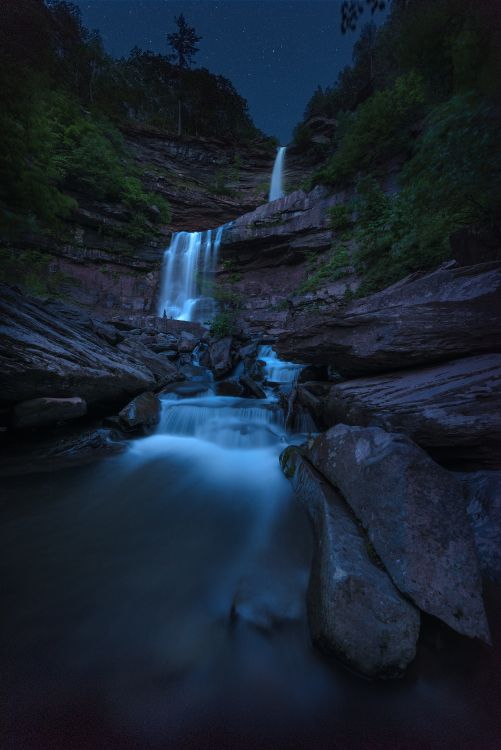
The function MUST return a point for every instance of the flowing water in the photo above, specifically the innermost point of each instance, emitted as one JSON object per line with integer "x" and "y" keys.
{"x": 188, "y": 269}
{"x": 277, "y": 177}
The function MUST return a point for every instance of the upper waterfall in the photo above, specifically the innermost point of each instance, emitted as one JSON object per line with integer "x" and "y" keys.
{"x": 277, "y": 177}
{"x": 189, "y": 262}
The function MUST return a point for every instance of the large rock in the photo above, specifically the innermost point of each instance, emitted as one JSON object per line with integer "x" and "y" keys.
{"x": 220, "y": 357}
{"x": 40, "y": 412}
{"x": 281, "y": 231}
{"x": 483, "y": 498}
{"x": 61, "y": 449}
{"x": 354, "y": 610}
{"x": 452, "y": 409}
{"x": 414, "y": 513}
{"x": 47, "y": 354}
{"x": 450, "y": 313}
{"x": 142, "y": 412}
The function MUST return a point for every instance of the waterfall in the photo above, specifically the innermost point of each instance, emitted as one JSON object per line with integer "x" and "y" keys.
{"x": 189, "y": 263}
{"x": 276, "y": 370}
{"x": 276, "y": 187}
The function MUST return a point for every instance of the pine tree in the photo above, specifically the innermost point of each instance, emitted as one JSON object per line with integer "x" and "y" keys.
{"x": 184, "y": 43}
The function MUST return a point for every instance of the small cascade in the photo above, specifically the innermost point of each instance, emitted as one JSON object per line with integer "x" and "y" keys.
{"x": 277, "y": 177}
{"x": 232, "y": 423}
{"x": 275, "y": 370}
{"x": 189, "y": 265}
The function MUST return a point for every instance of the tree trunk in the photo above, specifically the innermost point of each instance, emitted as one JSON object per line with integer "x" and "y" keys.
{"x": 179, "y": 117}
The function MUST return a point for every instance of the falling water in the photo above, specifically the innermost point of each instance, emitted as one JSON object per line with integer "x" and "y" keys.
{"x": 189, "y": 264}
{"x": 275, "y": 370}
{"x": 277, "y": 177}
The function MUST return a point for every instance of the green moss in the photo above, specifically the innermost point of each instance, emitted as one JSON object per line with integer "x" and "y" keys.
{"x": 288, "y": 462}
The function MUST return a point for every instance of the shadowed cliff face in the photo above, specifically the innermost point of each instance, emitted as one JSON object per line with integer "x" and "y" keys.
{"x": 99, "y": 260}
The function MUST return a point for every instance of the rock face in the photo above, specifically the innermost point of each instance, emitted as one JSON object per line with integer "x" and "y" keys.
{"x": 452, "y": 409}
{"x": 453, "y": 312}
{"x": 40, "y": 412}
{"x": 142, "y": 412}
{"x": 415, "y": 517}
{"x": 56, "y": 353}
{"x": 483, "y": 497}
{"x": 102, "y": 264}
{"x": 70, "y": 447}
{"x": 220, "y": 357}
{"x": 354, "y": 610}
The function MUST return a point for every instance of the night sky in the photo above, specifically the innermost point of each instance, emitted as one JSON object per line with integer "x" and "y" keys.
{"x": 275, "y": 52}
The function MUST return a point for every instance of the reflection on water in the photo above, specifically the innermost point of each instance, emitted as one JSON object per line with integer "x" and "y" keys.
{"x": 157, "y": 600}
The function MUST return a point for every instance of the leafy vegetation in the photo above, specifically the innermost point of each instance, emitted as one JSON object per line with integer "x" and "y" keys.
{"x": 223, "y": 324}
{"x": 63, "y": 102}
{"x": 424, "y": 88}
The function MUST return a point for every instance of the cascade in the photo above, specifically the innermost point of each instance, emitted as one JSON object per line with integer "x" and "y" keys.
{"x": 277, "y": 177}
{"x": 188, "y": 267}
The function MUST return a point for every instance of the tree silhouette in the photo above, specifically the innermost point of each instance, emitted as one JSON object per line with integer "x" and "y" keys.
{"x": 184, "y": 43}
{"x": 351, "y": 10}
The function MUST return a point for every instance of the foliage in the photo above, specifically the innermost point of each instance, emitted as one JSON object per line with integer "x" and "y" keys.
{"x": 340, "y": 217}
{"x": 223, "y": 324}
{"x": 337, "y": 266}
{"x": 378, "y": 130}
{"x": 452, "y": 180}
{"x": 183, "y": 42}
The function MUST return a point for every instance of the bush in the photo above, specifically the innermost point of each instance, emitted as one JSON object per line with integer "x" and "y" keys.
{"x": 378, "y": 130}
{"x": 223, "y": 324}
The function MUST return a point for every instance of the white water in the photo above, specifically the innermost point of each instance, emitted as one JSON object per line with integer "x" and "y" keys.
{"x": 188, "y": 268}
{"x": 277, "y": 177}
{"x": 275, "y": 370}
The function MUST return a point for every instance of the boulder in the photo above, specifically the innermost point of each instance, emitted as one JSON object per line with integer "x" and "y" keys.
{"x": 142, "y": 412}
{"x": 414, "y": 514}
{"x": 452, "y": 312}
{"x": 44, "y": 354}
{"x": 251, "y": 387}
{"x": 40, "y": 412}
{"x": 187, "y": 342}
{"x": 229, "y": 388}
{"x": 163, "y": 370}
{"x": 68, "y": 447}
{"x": 220, "y": 356}
{"x": 354, "y": 610}
{"x": 483, "y": 505}
{"x": 453, "y": 409}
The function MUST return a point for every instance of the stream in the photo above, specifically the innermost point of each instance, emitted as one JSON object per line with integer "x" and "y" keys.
{"x": 157, "y": 600}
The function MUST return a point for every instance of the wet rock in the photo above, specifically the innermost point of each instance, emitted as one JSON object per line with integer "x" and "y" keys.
{"x": 354, "y": 610}
{"x": 414, "y": 514}
{"x": 187, "y": 342}
{"x": 188, "y": 390}
{"x": 220, "y": 356}
{"x": 40, "y": 412}
{"x": 483, "y": 505}
{"x": 163, "y": 342}
{"x": 163, "y": 370}
{"x": 44, "y": 354}
{"x": 171, "y": 354}
{"x": 66, "y": 448}
{"x": 229, "y": 388}
{"x": 452, "y": 312}
{"x": 143, "y": 412}
{"x": 453, "y": 409}
{"x": 251, "y": 386}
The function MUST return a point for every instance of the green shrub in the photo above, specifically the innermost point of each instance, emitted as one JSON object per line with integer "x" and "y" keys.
{"x": 379, "y": 129}
{"x": 223, "y": 324}
{"x": 340, "y": 217}
{"x": 337, "y": 266}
